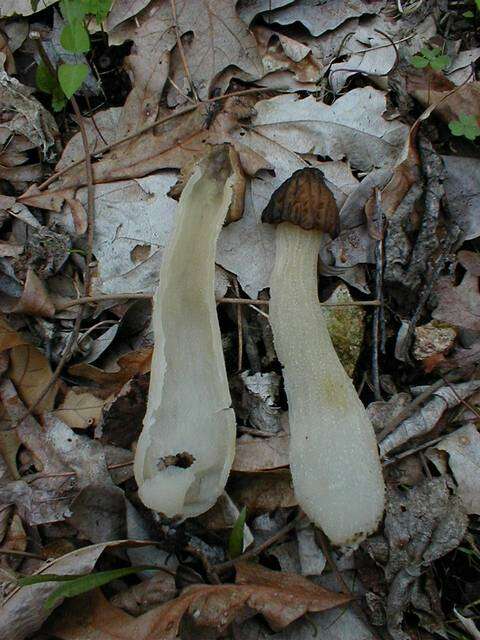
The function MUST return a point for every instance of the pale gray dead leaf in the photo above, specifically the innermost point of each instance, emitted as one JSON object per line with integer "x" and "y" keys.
{"x": 462, "y": 449}
{"x": 248, "y": 9}
{"x": 458, "y": 305}
{"x": 30, "y": 119}
{"x": 352, "y": 128}
{"x": 381, "y": 412}
{"x": 22, "y": 611}
{"x": 17, "y": 32}
{"x": 463, "y": 193}
{"x": 98, "y": 510}
{"x": 286, "y": 554}
{"x": 321, "y": 16}
{"x": 22, "y": 7}
{"x": 260, "y": 400}
{"x": 123, "y": 10}
{"x": 95, "y": 347}
{"x": 138, "y": 529}
{"x": 101, "y": 129}
{"x": 421, "y": 525}
{"x": 220, "y": 39}
{"x": 425, "y": 419}
{"x": 364, "y": 56}
{"x": 432, "y": 338}
{"x": 460, "y": 70}
{"x": 312, "y": 560}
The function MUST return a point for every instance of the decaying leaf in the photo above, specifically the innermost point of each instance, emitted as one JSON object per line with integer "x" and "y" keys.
{"x": 460, "y": 452}
{"x": 80, "y": 409}
{"x": 129, "y": 365}
{"x": 22, "y": 612}
{"x": 261, "y": 454}
{"x": 426, "y": 418}
{"x": 264, "y": 492}
{"x": 459, "y": 305}
{"x": 281, "y": 598}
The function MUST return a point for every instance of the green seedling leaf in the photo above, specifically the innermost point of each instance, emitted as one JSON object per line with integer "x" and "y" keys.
{"x": 72, "y": 10}
{"x": 468, "y": 14}
{"x": 75, "y": 585}
{"x": 477, "y": 2}
{"x": 430, "y": 57}
{"x": 235, "y": 542}
{"x": 71, "y": 77}
{"x": 75, "y": 38}
{"x": 466, "y": 126}
{"x": 45, "y": 80}
{"x": 98, "y": 8}
{"x": 419, "y": 62}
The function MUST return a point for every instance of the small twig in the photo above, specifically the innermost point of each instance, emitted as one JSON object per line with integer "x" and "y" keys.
{"x": 333, "y": 567}
{"x": 181, "y": 50}
{"x": 465, "y": 403}
{"x": 148, "y": 127}
{"x": 377, "y": 314}
{"x": 148, "y": 296}
{"x": 256, "y": 551}
{"x": 239, "y": 326}
{"x": 389, "y": 461}
{"x": 408, "y": 411}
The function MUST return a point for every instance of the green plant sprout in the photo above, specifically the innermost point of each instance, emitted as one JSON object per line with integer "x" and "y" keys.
{"x": 74, "y": 38}
{"x": 466, "y": 126}
{"x": 433, "y": 58}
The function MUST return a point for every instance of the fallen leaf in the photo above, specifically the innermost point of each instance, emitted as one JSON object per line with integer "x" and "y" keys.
{"x": 142, "y": 597}
{"x": 351, "y": 128}
{"x": 80, "y": 409}
{"x": 220, "y": 40}
{"x": 426, "y": 418}
{"x": 122, "y": 416}
{"x": 461, "y": 188}
{"x": 331, "y": 16}
{"x": 432, "y": 339}
{"x": 31, "y": 372}
{"x": 9, "y": 337}
{"x": 462, "y": 449}
{"x": 259, "y": 402}
{"x": 261, "y": 454}
{"x": 21, "y": 7}
{"x": 129, "y": 365}
{"x": 281, "y": 598}
{"x": 459, "y": 305}
{"x": 264, "y": 492}
{"x": 22, "y": 612}
{"x": 34, "y": 300}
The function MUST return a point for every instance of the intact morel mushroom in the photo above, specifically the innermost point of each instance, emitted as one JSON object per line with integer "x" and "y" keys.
{"x": 187, "y": 444}
{"x": 334, "y": 459}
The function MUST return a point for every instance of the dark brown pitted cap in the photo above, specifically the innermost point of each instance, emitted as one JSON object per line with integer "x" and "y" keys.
{"x": 305, "y": 200}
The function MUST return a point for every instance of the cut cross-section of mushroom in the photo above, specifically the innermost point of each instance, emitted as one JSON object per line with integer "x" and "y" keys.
{"x": 334, "y": 460}
{"x": 186, "y": 447}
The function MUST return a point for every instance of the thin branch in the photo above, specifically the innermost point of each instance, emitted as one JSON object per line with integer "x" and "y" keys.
{"x": 181, "y": 50}
{"x": 149, "y": 296}
{"x": 148, "y": 127}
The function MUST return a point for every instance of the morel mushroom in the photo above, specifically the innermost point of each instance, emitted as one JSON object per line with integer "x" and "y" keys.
{"x": 334, "y": 460}
{"x": 186, "y": 447}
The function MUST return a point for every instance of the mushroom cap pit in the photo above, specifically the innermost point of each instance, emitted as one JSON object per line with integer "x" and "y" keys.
{"x": 305, "y": 200}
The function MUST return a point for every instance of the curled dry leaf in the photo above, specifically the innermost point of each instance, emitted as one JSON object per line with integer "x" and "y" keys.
{"x": 426, "y": 418}
{"x": 22, "y": 611}
{"x": 34, "y": 300}
{"x": 281, "y": 598}
{"x": 129, "y": 365}
{"x": 460, "y": 452}
{"x": 80, "y": 409}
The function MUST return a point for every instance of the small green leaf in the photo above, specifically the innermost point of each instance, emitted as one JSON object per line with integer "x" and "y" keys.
{"x": 419, "y": 62}
{"x": 44, "y": 80}
{"x": 468, "y": 14}
{"x": 75, "y": 585}
{"x": 468, "y": 120}
{"x": 75, "y": 38}
{"x": 72, "y": 10}
{"x": 426, "y": 52}
{"x": 439, "y": 63}
{"x": 456, "y": 127}
{"x": 59, "y": 99}
{"x": 71, "y": 77}
{"x": 472, "y": 133}
{"x": 477, "y": 2}
{"x": 235, "y": 541}
{"x": 98, "y": 8}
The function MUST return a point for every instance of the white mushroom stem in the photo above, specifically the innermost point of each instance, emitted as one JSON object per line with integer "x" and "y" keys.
{"x": 186, "y": 447}
{"x": 334, "y": 459}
